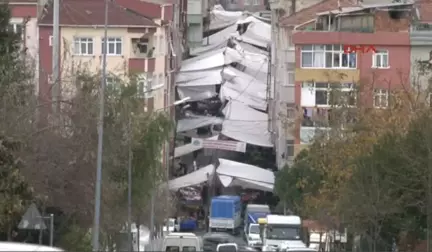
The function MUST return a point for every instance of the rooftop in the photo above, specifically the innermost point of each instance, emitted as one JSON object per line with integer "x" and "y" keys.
{"x": 92, "y": 13}
{"x": 310, "y": 13}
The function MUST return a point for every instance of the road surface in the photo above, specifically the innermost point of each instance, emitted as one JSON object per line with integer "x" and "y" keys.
{"x": 156, "y": 245}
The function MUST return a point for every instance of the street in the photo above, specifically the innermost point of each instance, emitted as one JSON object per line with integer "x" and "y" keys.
{"x": 156, "y": 245}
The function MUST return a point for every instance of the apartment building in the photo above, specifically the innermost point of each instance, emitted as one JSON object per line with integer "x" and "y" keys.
{"x": 285, "y": 16}
{"x": 198, "y": 19}
{"x": 382, "y": 30}
{"x": 24, "y": 20}
{"x": 421, "y": 45}
{"x": 136, "y": 45}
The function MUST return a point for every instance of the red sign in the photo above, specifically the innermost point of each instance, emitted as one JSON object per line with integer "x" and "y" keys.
{"x": 359, "y": 48}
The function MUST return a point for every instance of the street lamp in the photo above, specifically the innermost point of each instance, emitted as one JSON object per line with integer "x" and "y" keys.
{"x": 176, "y": 103}
{"x": 98, "y": 184}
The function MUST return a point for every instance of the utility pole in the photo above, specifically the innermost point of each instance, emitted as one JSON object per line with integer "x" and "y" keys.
{"x": 98, "y": 184}
{"x": 130, "y": 249}
{"x": 152, "y": 214}
{"x": 56, "y": 89}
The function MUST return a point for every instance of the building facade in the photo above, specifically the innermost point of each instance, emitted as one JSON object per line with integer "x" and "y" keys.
{"x": 284, "y": 16}
{"x": 198, "y": 20}
{"x": 136, "y": 45}
{"x": 24, "y": 20}
{"x": 321, "y": 62}
{"x": 421, "y": 46}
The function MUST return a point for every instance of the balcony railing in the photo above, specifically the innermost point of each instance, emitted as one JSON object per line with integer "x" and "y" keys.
{"x": 421, "y": 28}
{"x": 345, "y": 29}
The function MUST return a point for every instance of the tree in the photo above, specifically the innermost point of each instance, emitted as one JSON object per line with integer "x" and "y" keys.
{"x": 15, "y": 93}
{"x": 372, "y": 173}
{"x": 58, "y": 151}
{"x": 294, "y": 184}
{"x": 15, "y": 193}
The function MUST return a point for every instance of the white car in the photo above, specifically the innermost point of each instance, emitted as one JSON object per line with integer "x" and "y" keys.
{"x": 253, "y": 237}
{"x": 16, "y": 246}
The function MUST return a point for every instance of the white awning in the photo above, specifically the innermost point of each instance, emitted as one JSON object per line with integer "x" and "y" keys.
{"x": 211, "y": 59}
{"x": 190, "y": 147}
{"x": 258, "y": 33}
{"x": 221, "y": 18}
{"x": 246, "y": 124}
{"x": 216, "y": 41}
{"x": 194, "y": 178}
{"x": 233, "y": 173}
{"x": 197, "y": 122}
{"x": 227, "y": 92}
{"x": 250, "y": 48}
{"x": 197, "y": 93}
{"x": 200, "y": 78}
{"x": 243, "y": 88}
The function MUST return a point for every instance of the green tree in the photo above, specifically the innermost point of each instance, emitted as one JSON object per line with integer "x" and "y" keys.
{"x": 294, "y": 184}
{"x": 15, "y": 93}
{"x": 15, "y": 193}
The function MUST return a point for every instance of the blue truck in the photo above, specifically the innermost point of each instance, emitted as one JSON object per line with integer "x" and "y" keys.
{"x": 225, "y": 213}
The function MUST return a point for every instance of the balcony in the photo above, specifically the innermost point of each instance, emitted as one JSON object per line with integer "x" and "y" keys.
{"x": 142, "y": 55}
{"x": 421, "y": 34}
{"x": 352, "y": 24}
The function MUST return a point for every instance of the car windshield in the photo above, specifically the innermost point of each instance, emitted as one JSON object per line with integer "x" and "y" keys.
{"x": 282, "y": 232}
{"x": 254, "y": 229}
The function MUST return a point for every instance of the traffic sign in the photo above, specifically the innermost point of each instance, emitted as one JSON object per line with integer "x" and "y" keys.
{"x": 32, "y": 219}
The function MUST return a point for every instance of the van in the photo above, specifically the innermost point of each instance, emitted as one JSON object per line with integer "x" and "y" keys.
{"x": 182, "y": 242}
{"x": 17, "y": 246}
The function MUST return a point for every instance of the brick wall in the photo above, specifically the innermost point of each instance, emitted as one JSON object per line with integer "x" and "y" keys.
{"x": 384, "y": 22}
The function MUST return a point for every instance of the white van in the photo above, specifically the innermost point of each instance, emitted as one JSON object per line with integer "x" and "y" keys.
{"x": 16, "y": 246}
{"x": 253, "y": 236}
{"x": 182, "y": 242}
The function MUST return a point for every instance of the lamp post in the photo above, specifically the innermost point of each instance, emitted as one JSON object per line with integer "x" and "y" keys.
{"x": 98, "y": 184}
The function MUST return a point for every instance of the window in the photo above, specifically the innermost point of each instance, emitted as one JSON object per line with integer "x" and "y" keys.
{"x": 145, "y": 85}
{"x": 381, "y": 98}
{"x": 290, "y": 148}
{"x": 161, "y": 80}
{"x": 429, "y": 99}
{"x": 189, "y": 249}
{"x": 256, "y": 2}
{"x": 161, "y": 45}
{"x": 172, "y": 249}
{"x": 327, "y": 94}
{"x": 110, "y": 81}
{"x": 114, "y": 46}
{"x": 16, "y": 28}
{"x": 313, "y": 56}
{"x": 380, "y": 59}
{"x": 290, "y": 79}
{"x": 83, "y": 46}
{"x": 327, "y": 56}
